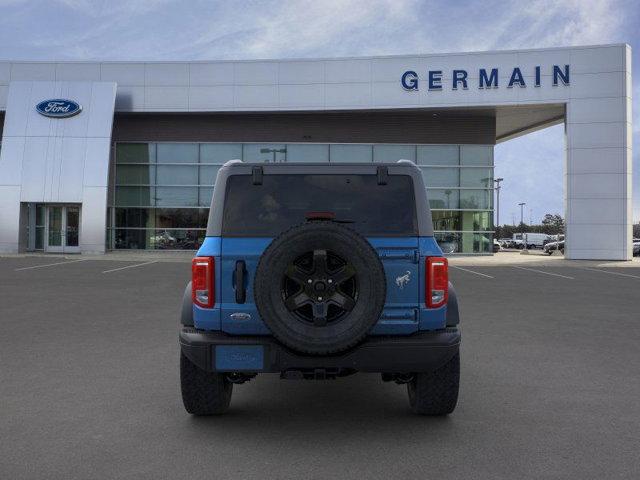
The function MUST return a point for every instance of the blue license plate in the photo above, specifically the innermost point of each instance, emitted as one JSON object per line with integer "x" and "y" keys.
{"x": 239, "y": 357}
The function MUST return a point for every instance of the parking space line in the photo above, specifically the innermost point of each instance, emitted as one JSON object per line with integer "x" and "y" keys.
{"x": 49, "y": 265}
{"x": 130, "y": 266}
{"x": 544, "y": 273}
{"x": 610, "y": 273}
{"x": 471, "y": 271}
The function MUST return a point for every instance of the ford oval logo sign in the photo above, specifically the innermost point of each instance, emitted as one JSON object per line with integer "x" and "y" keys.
{"x": 58, "y": 108}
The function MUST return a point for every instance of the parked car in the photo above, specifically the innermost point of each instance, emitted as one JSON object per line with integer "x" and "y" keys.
{"x": 496, "y": 246}
{"x": 636, "y": 247}
{"x": 550, "y": 247}
{"x": 517, "y": 243}
{"x": 554, "y": 238}
{"x": 506, "y": 242}
{"x": 312, "y": 272}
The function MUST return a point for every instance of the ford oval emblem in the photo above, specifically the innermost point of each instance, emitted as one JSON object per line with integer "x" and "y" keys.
{"x": 58, "y": 108}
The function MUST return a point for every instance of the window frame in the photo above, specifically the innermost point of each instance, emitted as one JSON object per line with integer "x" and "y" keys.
{"x": 152, "y": 147}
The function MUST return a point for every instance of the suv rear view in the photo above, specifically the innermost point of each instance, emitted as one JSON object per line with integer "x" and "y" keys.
{"x": 317, "y": 271}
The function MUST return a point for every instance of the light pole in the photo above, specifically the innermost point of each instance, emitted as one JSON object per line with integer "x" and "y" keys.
{"x": 522, "y": 212}
{"x": 524, "y": 240}
{"x": 497, "y": 181}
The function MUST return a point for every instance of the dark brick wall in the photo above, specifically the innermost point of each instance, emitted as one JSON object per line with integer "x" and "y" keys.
{"x": 473, "y": 127}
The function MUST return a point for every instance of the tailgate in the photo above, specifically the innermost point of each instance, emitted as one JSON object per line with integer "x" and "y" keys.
{"x": 239, "y": 260}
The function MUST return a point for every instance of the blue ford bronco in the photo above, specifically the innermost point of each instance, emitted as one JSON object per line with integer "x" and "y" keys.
{"x": 318, "y": 271}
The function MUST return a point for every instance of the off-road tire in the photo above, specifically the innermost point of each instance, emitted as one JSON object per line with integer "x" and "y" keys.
{"x": 203, "y": 393}
{"x": 436, "y": 393}
{"x": 352, "y": 326}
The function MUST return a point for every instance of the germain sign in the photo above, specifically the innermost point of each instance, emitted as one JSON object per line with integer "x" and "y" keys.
{"x": 58, "y": 108}
{"x": 487, "y": 78}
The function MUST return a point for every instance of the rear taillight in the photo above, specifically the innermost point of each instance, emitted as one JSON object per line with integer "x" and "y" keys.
{"x": 203, "y": 281}
{"x": 437, "y": 281}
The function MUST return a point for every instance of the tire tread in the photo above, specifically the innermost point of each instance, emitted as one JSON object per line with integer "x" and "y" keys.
{"x": 436, "y": 393}
{"x": 203, "y": 393}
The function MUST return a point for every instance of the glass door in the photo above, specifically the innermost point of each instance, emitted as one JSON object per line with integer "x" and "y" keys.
{"x": 72, "y": 229}
{"x": 62, "y": 229}
{"x": 40, "y": 226}
{"x": 54, "y": 229}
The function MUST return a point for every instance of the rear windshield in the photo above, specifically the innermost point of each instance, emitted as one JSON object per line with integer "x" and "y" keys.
{"x": 282, "y": 201}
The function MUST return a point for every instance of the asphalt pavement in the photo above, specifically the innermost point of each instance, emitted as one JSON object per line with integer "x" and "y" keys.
{"x": 89, "y": 384}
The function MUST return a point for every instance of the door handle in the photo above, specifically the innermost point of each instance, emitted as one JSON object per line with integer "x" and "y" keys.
{"x": 240, "y": 275}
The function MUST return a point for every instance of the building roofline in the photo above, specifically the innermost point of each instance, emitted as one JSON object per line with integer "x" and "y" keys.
{"x": 321, "y": 59}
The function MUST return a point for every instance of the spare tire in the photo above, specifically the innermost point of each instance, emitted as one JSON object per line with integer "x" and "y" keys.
{"x": 320, "y": 287}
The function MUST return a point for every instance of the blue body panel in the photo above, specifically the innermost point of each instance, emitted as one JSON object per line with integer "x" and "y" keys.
{"x": 403, "y": 259}
{"x": 249, "y": 250}
{"x": 211, "y": 247}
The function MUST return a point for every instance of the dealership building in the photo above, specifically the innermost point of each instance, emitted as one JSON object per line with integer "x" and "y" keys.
{"x": 99, "y": 156}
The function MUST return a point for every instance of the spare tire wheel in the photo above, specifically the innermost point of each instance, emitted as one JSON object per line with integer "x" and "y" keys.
{"x": 320, "y": 287}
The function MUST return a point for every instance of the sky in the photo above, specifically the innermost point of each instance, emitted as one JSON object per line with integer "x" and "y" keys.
{"x": 532, "y": 165}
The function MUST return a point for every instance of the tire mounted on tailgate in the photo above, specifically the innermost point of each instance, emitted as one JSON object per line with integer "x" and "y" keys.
{"x": 320, "y": 287}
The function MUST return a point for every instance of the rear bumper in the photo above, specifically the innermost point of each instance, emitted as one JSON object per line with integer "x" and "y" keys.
{"x": 420, "y": 352}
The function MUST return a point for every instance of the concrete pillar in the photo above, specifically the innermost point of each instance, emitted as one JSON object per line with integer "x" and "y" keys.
{"x": 598, "y": 169}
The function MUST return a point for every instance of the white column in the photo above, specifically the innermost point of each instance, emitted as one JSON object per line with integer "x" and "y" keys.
{"x": 56, "y": 160}
{"x": 11, "y": 155}
{"x": 598, "y": 172}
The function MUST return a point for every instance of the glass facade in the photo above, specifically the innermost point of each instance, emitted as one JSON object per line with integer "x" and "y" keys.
{"x": 162, "y": 191}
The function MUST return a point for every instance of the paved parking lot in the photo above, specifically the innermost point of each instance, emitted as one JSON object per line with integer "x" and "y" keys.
{"x": 89, "y": 384}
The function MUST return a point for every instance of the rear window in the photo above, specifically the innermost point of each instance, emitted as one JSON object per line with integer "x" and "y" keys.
{"x": 285, "y": 200}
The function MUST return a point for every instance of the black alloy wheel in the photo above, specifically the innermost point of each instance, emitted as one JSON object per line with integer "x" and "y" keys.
{"x": 320, "y": 287}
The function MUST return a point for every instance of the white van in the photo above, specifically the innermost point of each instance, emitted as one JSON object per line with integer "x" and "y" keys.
{"x": 532, "y": 240}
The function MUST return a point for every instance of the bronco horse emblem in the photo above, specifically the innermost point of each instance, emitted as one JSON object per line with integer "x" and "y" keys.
{"x": 402, "y": 280}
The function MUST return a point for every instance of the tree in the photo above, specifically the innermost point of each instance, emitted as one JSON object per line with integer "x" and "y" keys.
{"x": 553, "y": 220}
{"x": 552, "y": 224}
